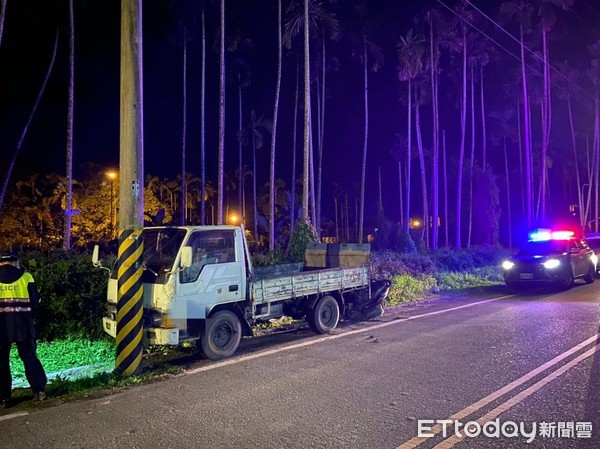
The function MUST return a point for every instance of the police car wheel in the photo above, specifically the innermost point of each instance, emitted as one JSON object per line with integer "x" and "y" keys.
{"x": 589, "y": 278}
{"x": 568, "y": 281}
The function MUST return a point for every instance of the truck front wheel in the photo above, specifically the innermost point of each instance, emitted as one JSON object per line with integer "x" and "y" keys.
{"x": 323, "y": 317}
{"x": 222, "y": 335}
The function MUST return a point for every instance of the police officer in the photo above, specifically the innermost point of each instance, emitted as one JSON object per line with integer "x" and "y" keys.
{"x": 18, "y": 299}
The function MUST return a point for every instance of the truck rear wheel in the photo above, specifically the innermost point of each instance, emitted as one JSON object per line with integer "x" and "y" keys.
{"x": 222, "y": 335}
{"x": 323, "y": 317}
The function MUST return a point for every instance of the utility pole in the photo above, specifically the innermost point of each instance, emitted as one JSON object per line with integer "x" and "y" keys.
{"x": 131, "y": 193}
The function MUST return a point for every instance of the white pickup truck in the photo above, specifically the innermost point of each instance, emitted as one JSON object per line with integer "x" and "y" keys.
{"x": 199, "y": 284}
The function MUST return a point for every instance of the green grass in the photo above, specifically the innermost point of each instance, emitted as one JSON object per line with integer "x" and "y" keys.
{"x": 478, "y": 277}
{"x": 60, "y": 355}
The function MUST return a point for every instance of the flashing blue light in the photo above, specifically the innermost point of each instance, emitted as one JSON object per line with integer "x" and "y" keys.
{"x": 544, "y": 235}
{"x": 541, "y": 235}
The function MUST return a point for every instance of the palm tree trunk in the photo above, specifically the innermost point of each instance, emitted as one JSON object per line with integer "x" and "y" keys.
{"x": 2, "y": 15}
{"x": 521, "y": 174}
{"x": 202, "y": 123}
{"x": 71, "y": 105}
{"x": 483, "y": 122}
{"x": 575, "y": 158}
{"x": 446, "y": 221}
{"x": 184, "y": 131}
{"x": 546, "y": 121}
{"x": 295, "y": 128}
{"x": 380, "y": 205}
{"x": 307, "y": 131}
{"x": 273, "y": 139}
{"x": 596, "y": 148}
{"x": 508, "y": 199}
{"x": 364, "y": 158}
{"x": 337, "y": 229}
{"x": 408, "y": 153}
{"x": 13, "y": 160}
{"x": 400, "y": 191}
{"x": 436, "y": 151}
{"x": 461, "y": 157}
{"x": 240, "y": 153}
{"x": 321, "y": 134}
{"x": 590, "y": 164}
{"x": 221, "y": 155}
{"x": 527, "y": 130}
{"x": 423, "y": 175}
{"x": 312, "y": 198}
{"x": 471, "y": 159}
{"x": 254, "y": 193}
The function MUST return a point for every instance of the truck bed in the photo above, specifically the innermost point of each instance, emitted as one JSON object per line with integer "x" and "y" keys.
{"x": 278, "y": 288}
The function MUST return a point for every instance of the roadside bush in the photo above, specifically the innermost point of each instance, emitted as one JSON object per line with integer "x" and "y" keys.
{"x": 402, "y": 242}
{"x": 386, "y": 264}
{"x": 419, "y": 264}
{"x": 447, "y": 259}
{"x": 73, "y": 293}
{"x": 406, "y": 288}
{"x": 457, "y": 280}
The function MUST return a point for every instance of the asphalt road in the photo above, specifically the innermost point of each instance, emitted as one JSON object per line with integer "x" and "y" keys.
{"x": 488, "y": 358}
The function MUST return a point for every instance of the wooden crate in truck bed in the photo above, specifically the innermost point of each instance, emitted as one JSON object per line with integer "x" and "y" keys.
{"x": 331, "y": 255}
{"x": 309, "y": 283}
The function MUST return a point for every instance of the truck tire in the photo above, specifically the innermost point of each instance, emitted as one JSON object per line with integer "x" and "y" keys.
{"x": 222, "y": 335}
{"x": 323, "y": 317}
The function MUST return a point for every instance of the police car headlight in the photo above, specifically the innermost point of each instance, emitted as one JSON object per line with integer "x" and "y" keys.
{"x": 507, "y": 264}
{"x": 594, "y": 259}
{"x": 551, "y": 263}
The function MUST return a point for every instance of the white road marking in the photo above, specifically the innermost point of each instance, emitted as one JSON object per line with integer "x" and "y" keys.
{"x": 450, "y": 442}
{"x": 13, "y": 415}
{"x": 414, "y": 442}
{"x": 257, "y": 355}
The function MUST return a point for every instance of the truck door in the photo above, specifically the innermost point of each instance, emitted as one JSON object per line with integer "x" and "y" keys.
{"x": 215, "y": 276}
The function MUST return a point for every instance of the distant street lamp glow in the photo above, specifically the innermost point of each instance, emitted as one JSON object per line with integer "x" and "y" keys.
{"x": 112, "y": 175}
{"x": 415, "y": 223}
{"x": 233, "y": 219}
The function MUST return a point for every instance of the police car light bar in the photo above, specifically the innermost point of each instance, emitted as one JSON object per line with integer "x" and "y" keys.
{"x": 542, "y": 235}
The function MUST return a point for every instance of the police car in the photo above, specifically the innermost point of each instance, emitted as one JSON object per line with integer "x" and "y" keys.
{"x": 556, "y": 257}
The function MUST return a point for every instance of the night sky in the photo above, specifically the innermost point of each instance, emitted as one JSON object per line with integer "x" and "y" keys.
{"x": 27, "y": 42}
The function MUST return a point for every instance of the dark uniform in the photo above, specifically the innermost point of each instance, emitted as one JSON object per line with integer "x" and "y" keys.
{"x": 18, "y": 299}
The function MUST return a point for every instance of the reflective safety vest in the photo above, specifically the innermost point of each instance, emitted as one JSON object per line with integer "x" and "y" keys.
{"x": 15, "y": 297}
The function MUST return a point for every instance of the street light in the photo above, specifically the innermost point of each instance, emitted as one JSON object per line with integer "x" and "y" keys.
{"x": 233, "y": 219}
{"x": 112, "y": 175}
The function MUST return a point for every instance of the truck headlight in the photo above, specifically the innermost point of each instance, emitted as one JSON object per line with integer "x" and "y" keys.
{"x": 551, "y": 263}
{"x": 507, "y": 264}
{"x": 157, "y": 319}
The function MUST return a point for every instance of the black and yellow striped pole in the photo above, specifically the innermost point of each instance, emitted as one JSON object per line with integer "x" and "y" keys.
{"x": 130, "y": 302}
{"x": 131, "y": 194}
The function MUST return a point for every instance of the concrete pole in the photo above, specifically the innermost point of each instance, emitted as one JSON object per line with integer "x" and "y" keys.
{"x": 131, "y": 193}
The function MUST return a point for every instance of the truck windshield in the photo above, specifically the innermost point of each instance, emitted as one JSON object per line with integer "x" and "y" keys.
{"x": 160, "y": 249}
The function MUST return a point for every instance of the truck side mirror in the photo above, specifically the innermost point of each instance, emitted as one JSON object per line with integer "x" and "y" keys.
{"x": 186, "y": 256}
{"x": 96, "y": 256}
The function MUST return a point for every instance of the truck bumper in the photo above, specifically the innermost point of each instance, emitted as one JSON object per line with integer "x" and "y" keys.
{"x": 151, "y": 335}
